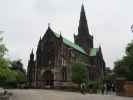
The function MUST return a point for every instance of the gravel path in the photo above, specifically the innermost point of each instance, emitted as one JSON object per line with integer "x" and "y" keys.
{"x": 39, "y": 94}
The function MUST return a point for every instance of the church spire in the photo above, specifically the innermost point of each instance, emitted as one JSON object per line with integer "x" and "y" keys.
{"x": 83, "y": 39}
{"x": 82, "y": 10}
{"x": 83, "y": 26}
{"x": 32, "y": 55}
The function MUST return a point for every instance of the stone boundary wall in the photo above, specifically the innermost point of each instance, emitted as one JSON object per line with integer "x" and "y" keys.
{"x": 128, "y": 88}
{"x": 124, "y": 88}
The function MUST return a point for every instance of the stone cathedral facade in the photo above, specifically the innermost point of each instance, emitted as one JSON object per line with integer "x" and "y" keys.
{"x": 52, "y": 66}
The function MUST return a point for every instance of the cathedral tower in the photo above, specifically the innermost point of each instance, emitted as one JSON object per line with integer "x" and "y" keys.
{"x": 83, "y": 39}
{"x": 31, "y": 68}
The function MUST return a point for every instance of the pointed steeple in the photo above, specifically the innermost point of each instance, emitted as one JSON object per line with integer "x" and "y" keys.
{"x": 61, "y": 38}
{"x": 60, "y": 35}
{"x": 49, "y": 26}
{"x": 83, "y": 39}
{"x": 82, "y": 13}
{"x": 100, "y": 51}
{"x": 32, "y": 55}
{"x": 100, "y": 48}
{"x": 83, "y": 26}
{"x": 32, "y": 51}
{"x": 49, "y": 30}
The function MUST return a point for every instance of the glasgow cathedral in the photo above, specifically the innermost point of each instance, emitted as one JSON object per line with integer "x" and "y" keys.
{"x": 52, "y": 65}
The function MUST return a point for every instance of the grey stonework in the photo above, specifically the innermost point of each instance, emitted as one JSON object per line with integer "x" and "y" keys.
{"x": 52, "y": 66}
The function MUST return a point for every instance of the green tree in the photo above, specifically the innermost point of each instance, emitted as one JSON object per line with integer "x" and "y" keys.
{"x": 10, "y": 75}
{"x": 124, "y": 67}
{"x": 79, "y": 73}
{"x": 3, "y": 49}
{"x": 79, "y": 69}
{"x": 17, "y": 66}
{"x": 5, "y": 73}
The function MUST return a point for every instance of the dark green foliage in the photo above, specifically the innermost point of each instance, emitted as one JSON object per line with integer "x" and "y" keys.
{"x": 9, "y": 76}
{"x": 18, "y": 72}
{"x": 92, "y": 85}
{"x": 129, "y": 49}
{"x": 79, "y": 73}
{"x": 124, "y": 67}
{"x": 3, "y": 49}
{"x": 18, "y": 67}
{"x": 79, "y": 69}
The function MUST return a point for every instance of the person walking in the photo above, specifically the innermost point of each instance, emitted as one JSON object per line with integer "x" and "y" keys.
{"x": 82, "y": 88}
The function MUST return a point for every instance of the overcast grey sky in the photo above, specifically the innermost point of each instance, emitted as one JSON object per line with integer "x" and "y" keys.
{"x": 24, "y": 21}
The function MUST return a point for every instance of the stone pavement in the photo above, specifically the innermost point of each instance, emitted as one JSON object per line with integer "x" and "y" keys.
{"x": 40, "y": 94}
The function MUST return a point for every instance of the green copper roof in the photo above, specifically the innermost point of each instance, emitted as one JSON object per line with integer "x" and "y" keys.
{"x": 69, "y": 43}
{"x": 93, "y": 51}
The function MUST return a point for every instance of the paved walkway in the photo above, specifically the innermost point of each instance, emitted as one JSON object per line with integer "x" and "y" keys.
{"x": 38, "y": 94}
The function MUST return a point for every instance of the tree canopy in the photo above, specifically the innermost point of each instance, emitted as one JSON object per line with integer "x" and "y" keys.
{"x": 9, "y": 75}
{"x": 124, "y": 67}
{"x": 79, "y": 73}
{"x": 79, "y": 69}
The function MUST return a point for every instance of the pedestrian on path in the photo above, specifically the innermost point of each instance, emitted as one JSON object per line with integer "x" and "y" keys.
{"x": 82, "y": 88}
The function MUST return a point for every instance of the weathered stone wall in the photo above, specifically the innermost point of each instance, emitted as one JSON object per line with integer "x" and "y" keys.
{"x": 124, "y": 88}
{"x": 128, "y": 88}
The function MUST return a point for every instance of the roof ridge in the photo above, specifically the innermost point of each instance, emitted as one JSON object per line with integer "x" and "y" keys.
{"x": 71, "y": 44}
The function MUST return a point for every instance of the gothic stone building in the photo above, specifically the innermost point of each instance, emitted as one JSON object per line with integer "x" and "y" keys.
{"x": 55, "y": 54}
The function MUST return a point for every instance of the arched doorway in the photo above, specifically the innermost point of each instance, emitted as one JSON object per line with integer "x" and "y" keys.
{"x": 48, "y": 78}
